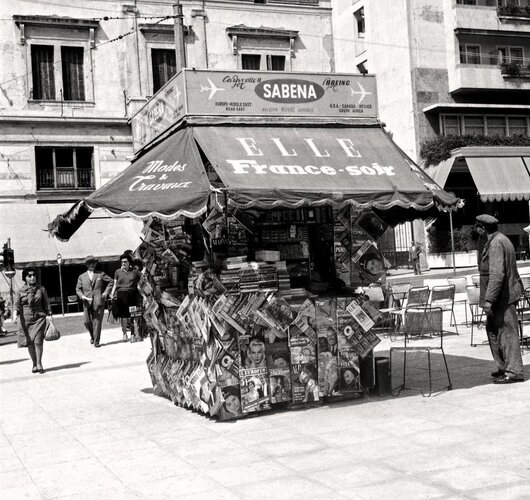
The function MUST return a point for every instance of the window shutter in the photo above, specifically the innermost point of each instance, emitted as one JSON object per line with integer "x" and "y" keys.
{"x": 42, "y": 69}
{"x": 73, "y": 73}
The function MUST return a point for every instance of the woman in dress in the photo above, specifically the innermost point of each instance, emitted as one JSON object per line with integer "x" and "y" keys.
{"x": 32, "y": 306}
{"x": 125, "y": 293}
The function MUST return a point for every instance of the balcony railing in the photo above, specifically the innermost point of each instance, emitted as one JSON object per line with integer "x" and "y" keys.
{"x": 494, "y": 58}
{"x": 514, "y": 8}
{"x": 67, "y": 178}
{"x": 479, "y": 3}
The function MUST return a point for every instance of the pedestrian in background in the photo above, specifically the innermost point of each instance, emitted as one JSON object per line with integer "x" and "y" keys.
{"x": 414, "y": 254}
{"x": 125, "y": 295}
{"x": 3, "y": 331}
{"x": 92, "y": 288}
{"x": 500, "y": 289}
{"x": 32, "y": 306}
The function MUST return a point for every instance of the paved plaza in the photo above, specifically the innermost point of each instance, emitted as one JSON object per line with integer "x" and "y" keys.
{"x": 92, "y": 428}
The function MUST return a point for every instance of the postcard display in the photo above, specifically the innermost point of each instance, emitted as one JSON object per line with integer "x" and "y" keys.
{"x": 243, "y": 340}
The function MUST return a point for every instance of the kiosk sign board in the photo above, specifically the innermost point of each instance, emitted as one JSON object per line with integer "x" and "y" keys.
{"x": 255, "y": 93}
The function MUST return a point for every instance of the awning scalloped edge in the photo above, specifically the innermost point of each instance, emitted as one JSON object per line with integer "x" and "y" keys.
{"x": 326, "y": 201}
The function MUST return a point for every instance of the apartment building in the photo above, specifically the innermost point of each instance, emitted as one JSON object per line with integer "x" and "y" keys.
{"x": 453, "y": 78}
{"x": 74, "y": 73}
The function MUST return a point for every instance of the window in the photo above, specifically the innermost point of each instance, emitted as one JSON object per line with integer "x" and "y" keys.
{"x": 164, "y": 65}
{"x": 496, "y": 125}
{"x": 73, "y": 73}
{"x": 485, "y": 125}
{"x": 276, "y": 63}
{"x": 511, "y": 54}
{"x": 359, "y": 18}
{"x": 450, "y": 125}
{"x": 473, "y": 125}
{"x": 57, "y": 51}
{"x": 469, "y": 54}
{"x": 517, "y": 125}
{"x": 72, "y": 76}
{"x": 254, "y": 62}
{"x": 251, "y": 61}
{"x": 64, "y": 168}
{"x": 42, "y": 70}
{"x": 263, "y": 49}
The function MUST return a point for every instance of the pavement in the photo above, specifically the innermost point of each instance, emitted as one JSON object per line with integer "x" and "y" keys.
{"x": 92, "y": 428}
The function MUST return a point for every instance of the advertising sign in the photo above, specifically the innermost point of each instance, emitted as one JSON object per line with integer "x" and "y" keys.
{"x": 165, "y": 108}
{"x": 280, "y": 94}
{"x": 259, "y": 93}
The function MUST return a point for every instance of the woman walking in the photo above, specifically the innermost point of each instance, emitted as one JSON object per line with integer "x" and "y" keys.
{"x": 125, "y": 293}
{"x": 32, "y": 306}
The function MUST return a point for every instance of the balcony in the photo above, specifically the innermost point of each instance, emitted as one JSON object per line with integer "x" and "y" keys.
{"x": 514, "y": 8}
{"x": 66, "y": 178}
{"x": 489, "y": 71}
{"x": 508, "y": 15}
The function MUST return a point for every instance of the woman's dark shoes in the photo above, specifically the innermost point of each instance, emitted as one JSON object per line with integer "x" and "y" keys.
{"x": 34, "y": 370}
{"x": 92, "y": 341}
{"x": 41, "y": 370}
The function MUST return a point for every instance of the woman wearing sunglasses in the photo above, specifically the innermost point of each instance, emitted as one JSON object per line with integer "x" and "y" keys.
{"x": 32, "y": 306}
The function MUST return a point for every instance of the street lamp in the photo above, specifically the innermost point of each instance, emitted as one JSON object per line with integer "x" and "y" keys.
{"x": 59, "y": 262}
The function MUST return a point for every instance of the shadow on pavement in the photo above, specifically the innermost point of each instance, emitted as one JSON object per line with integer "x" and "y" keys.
{"x": 112, "y": 343}
{"x": 12, "y": 361}
{"x": 66, "y": 367}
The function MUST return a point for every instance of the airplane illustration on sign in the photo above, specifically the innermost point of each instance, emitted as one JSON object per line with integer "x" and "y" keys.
{"x": 212, "y": 89}
{"x": 363, "y": 93}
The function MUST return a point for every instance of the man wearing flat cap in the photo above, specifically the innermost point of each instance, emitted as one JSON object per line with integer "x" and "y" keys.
{"x": 500, "y": 289}
{"x": 92, "y": 288}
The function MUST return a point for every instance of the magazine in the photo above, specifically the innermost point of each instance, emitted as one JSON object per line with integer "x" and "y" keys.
{"x": 360, "y": 315}
{"x": 278, "y": 355}
{"x": 254, "y": 389}
{"x": 372, "y": 224}
{"x": 305, "y": 383}
{"x": 280, "y": 385}
{"x": 231, "y": 402}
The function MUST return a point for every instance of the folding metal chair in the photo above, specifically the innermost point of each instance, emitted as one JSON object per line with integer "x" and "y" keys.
{"x": 421, "y": 326}
{"x": 477, "y": 316}
{"x": 444, "y": 298}
{"x": 523, "y": 313}
{"x": 460, "y": 292}
{"x": 417, "y": 297}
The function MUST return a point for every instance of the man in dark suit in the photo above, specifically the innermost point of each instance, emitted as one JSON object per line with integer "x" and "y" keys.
{"x": 500, "y": 289}
{"x": 92, "y": 288}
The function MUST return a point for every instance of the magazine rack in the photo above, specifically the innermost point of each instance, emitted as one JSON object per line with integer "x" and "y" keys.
{"x": 423, "y": 332}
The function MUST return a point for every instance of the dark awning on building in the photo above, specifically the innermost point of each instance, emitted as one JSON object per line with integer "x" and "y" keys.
{"x": 499, "y": 173}
{"x": 169, "y": 180}
{"x": 300, "y": 166}
{"x": 266, "y": 166}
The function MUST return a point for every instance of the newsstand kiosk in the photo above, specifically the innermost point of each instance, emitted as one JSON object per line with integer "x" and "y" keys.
{"x": 263, "y": 196}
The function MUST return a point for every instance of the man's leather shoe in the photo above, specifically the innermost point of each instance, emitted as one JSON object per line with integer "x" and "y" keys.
{"x": 505, "y": 379}
{"x": 497, "y": 374}
{"x": 92, "y": 341}
{"x": 96, "y": 345}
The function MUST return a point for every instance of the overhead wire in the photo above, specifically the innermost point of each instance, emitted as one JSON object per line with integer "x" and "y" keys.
{"x": 115, "y": 39}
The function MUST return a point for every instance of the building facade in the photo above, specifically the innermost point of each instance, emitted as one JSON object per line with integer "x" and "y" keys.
{"x": 452, "y": 75}
{"x": 73, "y": 75}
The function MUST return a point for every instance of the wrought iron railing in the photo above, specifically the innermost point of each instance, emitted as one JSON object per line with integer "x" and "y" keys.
{"x": 65, "y": 178}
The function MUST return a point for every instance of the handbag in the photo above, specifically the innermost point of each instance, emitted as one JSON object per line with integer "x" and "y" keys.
{"x": 51, "y": 332}
{"x": 22, "y": 340}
